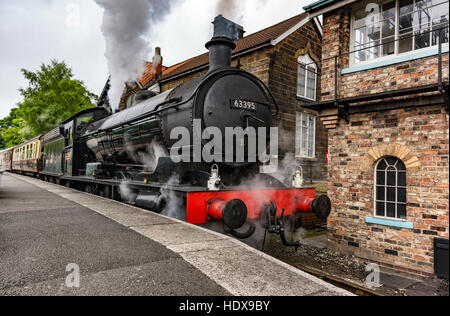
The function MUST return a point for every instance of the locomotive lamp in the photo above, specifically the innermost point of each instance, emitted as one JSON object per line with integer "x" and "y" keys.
{"x": 214, "y": 181}
{"x": 298, "y": 180}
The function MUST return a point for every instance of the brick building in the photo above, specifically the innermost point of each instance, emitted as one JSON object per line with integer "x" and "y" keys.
{"x": 277, "y": 55}
{"x": 384, "y": 101}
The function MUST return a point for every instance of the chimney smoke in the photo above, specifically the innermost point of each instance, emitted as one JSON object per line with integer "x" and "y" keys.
{"x": 124, "y": 25}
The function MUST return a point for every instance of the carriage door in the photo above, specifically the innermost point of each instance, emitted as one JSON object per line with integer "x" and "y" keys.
{"x": 68, "y": 150}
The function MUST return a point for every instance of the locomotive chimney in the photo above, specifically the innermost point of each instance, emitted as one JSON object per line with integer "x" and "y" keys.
{"x": 222, "y": 44}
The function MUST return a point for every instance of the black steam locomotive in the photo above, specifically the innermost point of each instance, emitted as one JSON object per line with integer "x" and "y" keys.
{"x": 100, "y": 153}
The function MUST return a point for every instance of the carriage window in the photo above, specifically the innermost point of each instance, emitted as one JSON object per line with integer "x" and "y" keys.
{"x": 390, "y": 188}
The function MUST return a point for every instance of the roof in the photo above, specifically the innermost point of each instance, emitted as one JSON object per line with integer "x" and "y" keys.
{"x": 148, "y": 74}
{"x": 266, "y": 36}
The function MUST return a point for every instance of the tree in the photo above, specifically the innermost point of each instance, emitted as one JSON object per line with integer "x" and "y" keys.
{"x": 51, "y": 97}
{"x": 11, "y": 130}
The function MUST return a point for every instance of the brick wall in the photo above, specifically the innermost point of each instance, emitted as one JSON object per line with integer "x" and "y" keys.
{"x": 423, "y": 134}
{"x": 283, "y": 84}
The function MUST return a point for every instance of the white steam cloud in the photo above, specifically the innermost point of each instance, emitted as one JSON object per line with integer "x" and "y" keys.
{"x": 234, "y": 9}
{"x": 125, "y": 23}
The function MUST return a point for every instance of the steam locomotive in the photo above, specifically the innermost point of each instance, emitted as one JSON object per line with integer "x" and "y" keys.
{"x": 124, "y": 156}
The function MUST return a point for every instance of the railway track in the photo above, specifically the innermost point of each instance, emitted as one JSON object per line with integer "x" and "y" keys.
{"x": 339, "y": 282}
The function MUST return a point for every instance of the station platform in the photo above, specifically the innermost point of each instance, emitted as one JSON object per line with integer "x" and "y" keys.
{"x": 124, "y": 250}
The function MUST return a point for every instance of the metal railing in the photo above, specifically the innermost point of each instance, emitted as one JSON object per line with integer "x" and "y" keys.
{"x": 440, "y": 31}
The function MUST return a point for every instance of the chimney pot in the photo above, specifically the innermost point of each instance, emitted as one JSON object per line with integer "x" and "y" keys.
{"x": 157, "y": 62}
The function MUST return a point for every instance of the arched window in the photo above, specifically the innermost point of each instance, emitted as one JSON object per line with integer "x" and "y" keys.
{"x": 390, "y": 188}
{"x": 307, "y": 78}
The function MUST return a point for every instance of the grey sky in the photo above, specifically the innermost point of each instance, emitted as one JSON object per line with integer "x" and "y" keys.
{"x": 36, "y": 31}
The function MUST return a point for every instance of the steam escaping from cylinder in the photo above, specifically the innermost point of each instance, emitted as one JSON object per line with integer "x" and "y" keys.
{"x": 125, "y": 23}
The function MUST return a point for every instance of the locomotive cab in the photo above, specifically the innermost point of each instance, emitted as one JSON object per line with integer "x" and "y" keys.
{"x": 75, "y": 154}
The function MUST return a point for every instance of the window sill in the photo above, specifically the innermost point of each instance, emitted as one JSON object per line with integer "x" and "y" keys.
{"x": 306, "y": 158}
{"x": 305, "y": 99}
{"x": 397, "y": 59}
{"x": 389, "y": 222}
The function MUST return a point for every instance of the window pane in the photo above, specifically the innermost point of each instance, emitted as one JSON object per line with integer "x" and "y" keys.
{"x": 401, "y": 179}
{"x": 381, "y": 194}
{"x": 422, "y": 17}
{"x": 391, "y": 177}
{"x": 390, "y": 209}
{"x": 382, "y": 165}
{"x": 405, "y": 43}
{"x": 301, "y": 80}
{"x": 373, "y": 33}
{"x": 360, "y": 56}
{"x": 401, "y": 195}
{"x": 420, "y": 4}
{"x": 311, "y": 86}
{"x": 389, "y": 10}
{"x": 391, "y": 194}
{"x": 406, "y": 6}
{"x": 391, "y": 161}
{"x": 401, "y": 166}
{"x": 388, "y": 46}
{"x": 422, "y": 38}
{"x": 381, "y": 175}
{"x": 440, "y": 13}
{"x": 380, "y": 209}
{"x": 388, "y": 27}
{"x": 401, "y": 211}
{"x": 360, "y": 36}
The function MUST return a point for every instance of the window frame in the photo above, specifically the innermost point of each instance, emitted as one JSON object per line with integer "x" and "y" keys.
{"x": 299, "y": 141}
{"x": 397, "y": 187}
{"x": 396, "y": 53}
{"x": 307, "y": 62}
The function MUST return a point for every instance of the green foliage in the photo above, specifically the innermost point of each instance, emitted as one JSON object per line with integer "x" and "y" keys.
{"x": 51, "y": 97}
{"x": 11, "y": 130}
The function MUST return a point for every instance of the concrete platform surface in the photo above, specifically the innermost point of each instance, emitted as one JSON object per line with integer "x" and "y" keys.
{"x": 123, "y": 250}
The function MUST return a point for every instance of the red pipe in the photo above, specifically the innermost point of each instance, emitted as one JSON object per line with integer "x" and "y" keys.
{"x": 303, "y": 204}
